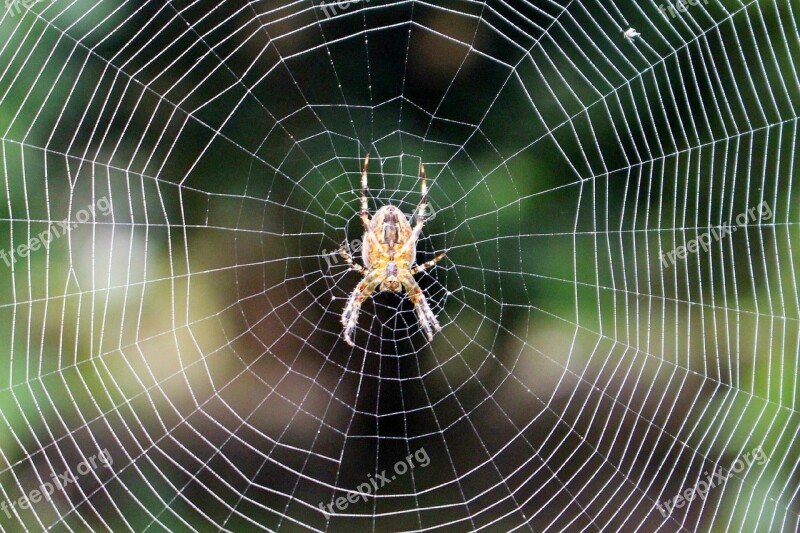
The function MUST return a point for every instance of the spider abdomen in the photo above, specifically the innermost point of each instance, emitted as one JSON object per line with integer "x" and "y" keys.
{"x": 386, "y": 240}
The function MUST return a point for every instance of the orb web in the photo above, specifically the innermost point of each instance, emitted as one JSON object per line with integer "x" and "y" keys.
{"x": 613, "y": 185}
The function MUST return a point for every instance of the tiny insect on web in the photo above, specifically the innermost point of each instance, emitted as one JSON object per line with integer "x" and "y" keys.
{"x": 630, "y": 34}
{"x": 389, "y": 250}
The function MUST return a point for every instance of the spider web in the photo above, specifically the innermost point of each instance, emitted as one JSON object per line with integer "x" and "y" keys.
{"x": 205, "y": 158}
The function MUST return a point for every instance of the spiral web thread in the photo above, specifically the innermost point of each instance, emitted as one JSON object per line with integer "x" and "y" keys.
{"x": 205, "y": 158}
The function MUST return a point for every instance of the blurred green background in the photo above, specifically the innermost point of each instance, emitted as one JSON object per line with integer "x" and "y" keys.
{"x": 194, "y": 331}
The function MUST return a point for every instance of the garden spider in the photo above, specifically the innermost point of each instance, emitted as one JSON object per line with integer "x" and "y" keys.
{"x": 388, "y": 251}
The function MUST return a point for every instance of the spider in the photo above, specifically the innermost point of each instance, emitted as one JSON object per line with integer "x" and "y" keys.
{"x": 388, "y": 251}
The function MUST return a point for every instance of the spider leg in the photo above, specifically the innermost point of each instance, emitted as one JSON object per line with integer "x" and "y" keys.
{"x": 423, "y": 205}
{"x": 362, "y": 291}
{"x": 426, "y": 266}
{"x": 349, "y": 260}
{"x": 364, "y": 203}
{"x": 369, "y": 236}
{"x": 427, "y": 320}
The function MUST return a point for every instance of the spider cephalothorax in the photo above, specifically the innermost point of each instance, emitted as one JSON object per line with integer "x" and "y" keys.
{"x": 389, "y": 250}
